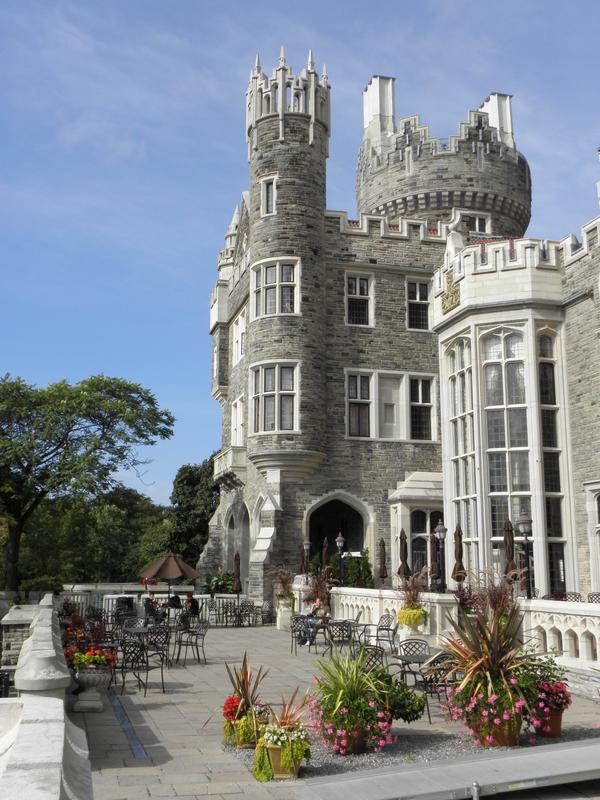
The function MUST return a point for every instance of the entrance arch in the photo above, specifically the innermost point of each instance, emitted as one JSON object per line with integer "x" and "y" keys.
{"x": 329, "y": 519}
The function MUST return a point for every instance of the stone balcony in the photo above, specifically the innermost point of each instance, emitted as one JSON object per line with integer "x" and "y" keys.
{"x": 230, "y": 465}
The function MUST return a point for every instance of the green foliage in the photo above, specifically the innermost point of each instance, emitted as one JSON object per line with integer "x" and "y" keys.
{"x": 43, "y": 583}
{"x": 412, "y": 616}
{"x": 68, "y": 439}
{"x": 194, "y": 500}
{"x": 343, "y": 682}
{"x": 220, "y": 583}
{"x": 401, "y": 701}
{"x": 262, "y": 769}
{"x": 357, "y": 570}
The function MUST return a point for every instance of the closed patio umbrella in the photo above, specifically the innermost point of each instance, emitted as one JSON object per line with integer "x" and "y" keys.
{"x": 404, "y": 571}
{"x": 509, "y": 548}
{"x": 434, "y": 567}
{"x": 459, "y": 572}
{"x": 325, "y": 553}
{"x": 237, "y": 583}
{"x": 383, "y": 573}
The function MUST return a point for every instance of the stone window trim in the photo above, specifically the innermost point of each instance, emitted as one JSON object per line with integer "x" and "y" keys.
{"x": 238, "y": 328}
{"x": 260, "y": 394}
{"x": 275, "y": 287}
{"x": 547, "y": 347}
{"x": 268, "y": 195}
{"x": 238, "y": 421}
{"x": 420, "y": 306}
{"x": 405, "y": 404}
{"x": 358, "y": 296}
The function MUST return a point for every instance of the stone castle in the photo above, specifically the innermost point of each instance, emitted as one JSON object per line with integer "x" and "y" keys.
{"x": 424, "y": 362}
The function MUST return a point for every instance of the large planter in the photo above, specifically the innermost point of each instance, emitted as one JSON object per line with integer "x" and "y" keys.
{"x": 505, "y": 735}
{"x": 279, "y": 771}
{"x": 93, "y": 678}
{"x": 411, "y": 618}
{"x": 553, "y": 723}
{"x": 284, "y": 613}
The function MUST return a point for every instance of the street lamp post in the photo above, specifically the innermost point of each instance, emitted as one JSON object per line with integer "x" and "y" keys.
{"x": 524, "y": 528}
{"x": 306, "y": 546}
{"x": 340, "y": 542}
{"x": 440, "y": 532}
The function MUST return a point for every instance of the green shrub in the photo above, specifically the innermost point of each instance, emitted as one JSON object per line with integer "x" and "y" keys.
{"x": 43, "y": 583}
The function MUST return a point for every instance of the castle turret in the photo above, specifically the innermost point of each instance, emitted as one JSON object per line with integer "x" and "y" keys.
{"x": 287, "y": 129}
{"x": 402, "y": 171}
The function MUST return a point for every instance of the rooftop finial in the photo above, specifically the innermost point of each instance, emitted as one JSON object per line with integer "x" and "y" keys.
{"x": 325, "y": 75}
{"x": 257, "y": 67}
{"x": 310, "y": 64}
{"x": 282, "y": 57}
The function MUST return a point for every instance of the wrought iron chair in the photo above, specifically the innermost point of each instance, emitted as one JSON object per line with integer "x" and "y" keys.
{"x": 374, "y": 657}
{"x": 158, "y": 639}
{"x": 339, "y": 634}
{"x": 573, "y": 597}
{"x": 593, "y": 597}
{"x": 193, "y": 638}
{"x": 267, "y": 613}
{"x": 135, "y": 659}
{"x": 412, "y": 647}
{"x": 298, "y": 630}
{"x": 247, "y": 612}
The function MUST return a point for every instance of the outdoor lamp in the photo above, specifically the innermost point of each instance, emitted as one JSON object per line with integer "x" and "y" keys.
{"x": 524, "y": 528}
{"x": 441, "y": 531}
{"x": 306, "y": 546}
{"x": 339, "y": 543}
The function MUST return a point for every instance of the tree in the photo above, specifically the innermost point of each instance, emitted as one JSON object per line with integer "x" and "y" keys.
{"x": 68, "y": 439}
{"x": 194, "y": 500}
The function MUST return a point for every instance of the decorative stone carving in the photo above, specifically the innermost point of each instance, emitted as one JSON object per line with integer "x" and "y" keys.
{"x": 451, "y": 297}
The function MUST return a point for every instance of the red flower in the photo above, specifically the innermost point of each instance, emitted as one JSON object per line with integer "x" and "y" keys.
{"x": 230, "y": 707}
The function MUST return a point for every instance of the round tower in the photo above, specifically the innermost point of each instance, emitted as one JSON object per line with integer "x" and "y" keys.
{"x": 404, "y": 172}
{"x": 287, "y": 129}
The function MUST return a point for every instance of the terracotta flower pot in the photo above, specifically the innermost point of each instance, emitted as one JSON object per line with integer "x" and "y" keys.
{"x": 554, "y": 722}
{"x": 505, "y": 735}
{"x": 357, "y": 742}
{"x": 279, "y": 771}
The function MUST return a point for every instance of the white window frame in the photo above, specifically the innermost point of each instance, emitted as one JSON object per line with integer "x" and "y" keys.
{"x": 427, "y": 303}
{"x": 268, "y": 179}
{"x": 404, "y": 405}
{"x": 420, "y": 404}
{"x": 351, "y": 373}
{"x": 238, "y": 328}
{"x": 260, "y": 268}
{"x": 371, "y": 298}
{"x": 238, "y": 422}
{"x": 277, "y": 393}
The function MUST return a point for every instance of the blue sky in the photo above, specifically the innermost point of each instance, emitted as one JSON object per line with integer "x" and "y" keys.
{"x": 123, "y": 155}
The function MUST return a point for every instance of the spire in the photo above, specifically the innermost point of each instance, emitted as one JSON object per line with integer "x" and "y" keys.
{"x": 282, "y": 57}
{"x": 257, "y": 67}
{"x": 310, "y": 64}
{"x": 325, "y": 76}
{"x": 235, "y": 219}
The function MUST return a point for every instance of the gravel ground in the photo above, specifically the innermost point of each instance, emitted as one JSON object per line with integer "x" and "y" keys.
{"x": 411, "y": 748}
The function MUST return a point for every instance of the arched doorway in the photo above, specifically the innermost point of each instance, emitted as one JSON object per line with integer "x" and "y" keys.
{"x": 332, "y": 518}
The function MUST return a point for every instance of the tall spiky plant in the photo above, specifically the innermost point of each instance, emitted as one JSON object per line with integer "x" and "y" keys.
{"x": 246, "y": 685}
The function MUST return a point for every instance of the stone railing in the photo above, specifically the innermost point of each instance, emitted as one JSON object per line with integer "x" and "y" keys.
{"x": 42, "y": 753}
{"x": 570, "y": 630}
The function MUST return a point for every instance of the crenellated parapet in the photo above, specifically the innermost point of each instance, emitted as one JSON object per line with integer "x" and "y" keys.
{"x": 403, "y": 171}
{"x": 284, "y": 93}
{"x": 505, "y": 272}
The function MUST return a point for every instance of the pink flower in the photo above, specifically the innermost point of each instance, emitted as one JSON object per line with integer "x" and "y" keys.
{"x": 506, "y": 715}
{"x": 381, "y": 742}
{"x": 344, "y": 742}
{"x": 513, "y": 681}
{"x": 342, "y": 752}
{"x": 485, "y": 712}
{"x": 535, "y": 722}
{"x": 477, "y": 742}
{"x": 497, "y": 721}
{"x": 492, "y": 699}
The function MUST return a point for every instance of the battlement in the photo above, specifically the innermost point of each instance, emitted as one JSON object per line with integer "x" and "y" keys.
{"x": 285, "y": 93}
{"x": 370, "y": 224}
{"x": 507, "y": 272}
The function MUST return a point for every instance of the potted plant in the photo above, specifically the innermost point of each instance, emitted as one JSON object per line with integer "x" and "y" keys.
{"x": 244, "y": 714}
{"x": 349, "y": 706}
{"x": 412, "y": 614}
{"x": 284, "y": 743}
{"x": 551, "y": 697}
{"x": 92, "y": 666}
{"x": 492, "y": 693}
{"x": 401, "y": 702}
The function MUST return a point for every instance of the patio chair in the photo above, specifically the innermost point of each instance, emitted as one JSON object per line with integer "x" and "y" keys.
{"x": 158, "y": 639}
{"x": 339, "y": 634}
{"x": 573, "y": 597}
{"x": 231, "y": 613}
{"x": 193, "y": 638}
{"x": 298, "y": 631}
{"x": 374, "y": 657}
{"x": 267, "y": 613}
{"x": 247, "y": 612}
{"x": 593, "y": 597}
{"x": 212, "y": 611}
{"x": 135, "y": 659}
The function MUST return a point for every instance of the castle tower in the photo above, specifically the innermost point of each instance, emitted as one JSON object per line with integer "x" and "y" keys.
{"x": 287, "y": 128}
{"x": 404, "y": 172}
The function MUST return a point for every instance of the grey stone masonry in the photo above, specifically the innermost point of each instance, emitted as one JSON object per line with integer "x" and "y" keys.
{"x": 15, "y": 630}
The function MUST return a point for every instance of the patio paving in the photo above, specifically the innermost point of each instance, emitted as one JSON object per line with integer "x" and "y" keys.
{"x": 162, "y": 749}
